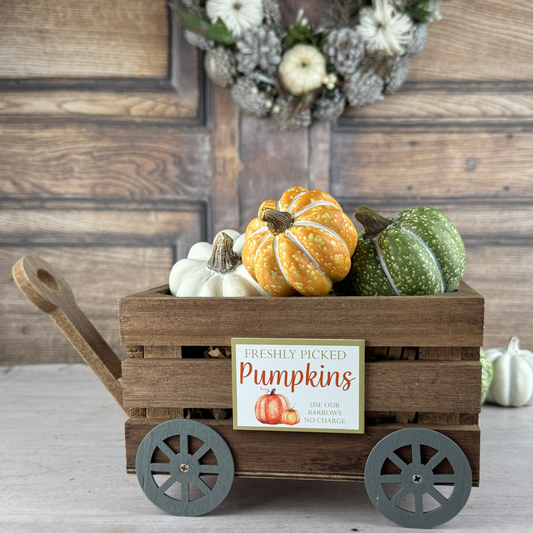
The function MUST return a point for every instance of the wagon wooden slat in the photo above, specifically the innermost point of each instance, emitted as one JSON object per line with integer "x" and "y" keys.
{"x": 156, "y": 318}
{"x": 423, "y": 386}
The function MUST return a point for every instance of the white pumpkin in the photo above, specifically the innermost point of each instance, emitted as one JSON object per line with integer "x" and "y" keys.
{"x": 214, "y": 270}
{"x": 512, "y": 381}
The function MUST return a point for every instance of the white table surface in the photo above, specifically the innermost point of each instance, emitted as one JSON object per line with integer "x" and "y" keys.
{"x": 62, "y": 469}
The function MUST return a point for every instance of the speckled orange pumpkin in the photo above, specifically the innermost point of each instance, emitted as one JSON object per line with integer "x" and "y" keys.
{"x": 302, "y": 243}
{"x": 291, "y": 417}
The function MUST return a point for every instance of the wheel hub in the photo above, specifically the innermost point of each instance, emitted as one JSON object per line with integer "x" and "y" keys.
{"x": 184, "y": 467}
{"x": 417, "y": 477}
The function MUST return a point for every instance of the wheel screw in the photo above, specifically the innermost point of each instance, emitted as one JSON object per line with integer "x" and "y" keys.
{"x": 184, "y": 468}
{"x": 417, "y": 479}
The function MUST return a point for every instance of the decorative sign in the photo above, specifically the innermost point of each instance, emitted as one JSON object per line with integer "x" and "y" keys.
{"x": 298, "y": 385}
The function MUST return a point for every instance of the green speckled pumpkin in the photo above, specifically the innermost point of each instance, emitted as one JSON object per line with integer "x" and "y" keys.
{"x": 419, "y": 252}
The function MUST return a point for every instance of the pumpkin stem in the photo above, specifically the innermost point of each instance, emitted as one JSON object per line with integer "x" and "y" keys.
{"x": 277, "y": 221}
{"x": 272, "y": 392}
{"x": 513, "y": 346}
{"x": 371, "y": 221}
{"x": 223, "y": 259}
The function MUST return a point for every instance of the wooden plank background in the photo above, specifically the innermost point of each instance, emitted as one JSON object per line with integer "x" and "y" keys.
{"x": 116, "y": 154}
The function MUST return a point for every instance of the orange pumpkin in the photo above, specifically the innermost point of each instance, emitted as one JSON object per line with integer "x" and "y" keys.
{"x": 270, "y": 407}
{"x": 301, "y": 244}
{"x": 290, "y": 417}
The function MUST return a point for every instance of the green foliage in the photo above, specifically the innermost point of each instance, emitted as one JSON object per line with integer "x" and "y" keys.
{"x": 419, "y": 10}
{"x": 217, "y": 32}
{"x": 298, "y": 34}
{"x": 301, "y": 33}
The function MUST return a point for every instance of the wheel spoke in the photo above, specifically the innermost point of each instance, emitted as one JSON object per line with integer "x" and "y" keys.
{"x": 435, "y": 460}
{"x": 434, "y": 493}
{"x": 444, "y": 478}
{"x": 208, "y": 469}
{"x": 416, "y": 458}
{"x": 390, "y": 478}
{"x": 167, "y": 484}
{"x": 397, "y": 461}
{"x": 202, "y": 485}
{"x": 419, "y": 503}
{"x": 399, "y": 496}
{"x": 202, "y": 451}
{"x": 159, "y": 467}
{"x": 185, "y": 491}
{"x": 184, "y": 443}
{"x": 166, "y": 449}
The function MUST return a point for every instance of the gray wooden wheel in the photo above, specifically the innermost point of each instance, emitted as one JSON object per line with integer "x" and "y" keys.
{"x": 184, "y": 467}
{"x": 418, "y": 478}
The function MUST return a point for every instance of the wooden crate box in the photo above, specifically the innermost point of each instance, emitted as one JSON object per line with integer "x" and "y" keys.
{"x": 422, "y": 369}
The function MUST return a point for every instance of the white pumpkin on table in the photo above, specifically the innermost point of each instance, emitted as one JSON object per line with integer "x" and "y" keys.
{"x": 213, "y": 270}
{"x": 512, "y": 381}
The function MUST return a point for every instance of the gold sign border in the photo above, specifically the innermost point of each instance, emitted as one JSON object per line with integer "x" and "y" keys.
{"x": 306, "y": 342}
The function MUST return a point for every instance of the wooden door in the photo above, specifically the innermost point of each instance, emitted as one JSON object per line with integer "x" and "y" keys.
{"x": 116, "y": 154}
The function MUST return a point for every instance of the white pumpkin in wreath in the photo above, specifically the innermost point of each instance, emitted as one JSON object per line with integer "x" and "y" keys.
{"x": 214, "y": 270}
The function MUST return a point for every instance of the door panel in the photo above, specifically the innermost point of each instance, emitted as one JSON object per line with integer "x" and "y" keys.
{"x": 99, "y": 38}
{"x": 105, "y": 160}
{"x": 116, "y": 155}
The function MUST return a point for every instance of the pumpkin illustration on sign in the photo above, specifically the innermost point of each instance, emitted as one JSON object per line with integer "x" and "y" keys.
{"x": 419, "y": 252}
{"x": 270, "y": 407}
{"x": 291, "y": 417}
{"x": 302, "y": 243}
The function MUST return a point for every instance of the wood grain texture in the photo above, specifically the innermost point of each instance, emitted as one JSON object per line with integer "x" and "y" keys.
{"x": 89, "y": 226}
{"x": 305, "y": 455}
{"x": 452, "y": 319}
{"x": 135, "y": 352}
{"x": 163, "y": 106}
{"x": 163, "y": 352}
{"x": 425, "y": 166}
{"x": 226, "y": 161}
{"x": 273, "y": 161}
{"x": 319, "y": 148}
{"x": 422, "y": 386}
{"x": 103, "y": 38}
{"x": 106, "y": 162}
{"x": 478, "y": 222}
{"x": 460, "y": 105}
{"x": 503, "y": 274}
{"x": 46, "y": 288}
{"x": 98, "y": 277}
{"x": 478, "y": 40}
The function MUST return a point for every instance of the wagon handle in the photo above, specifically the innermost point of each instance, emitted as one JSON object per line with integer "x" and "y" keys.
{"x": 47, "y": 289}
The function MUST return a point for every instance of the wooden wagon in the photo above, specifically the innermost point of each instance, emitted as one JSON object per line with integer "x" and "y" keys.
{"x": 422, "y": 391}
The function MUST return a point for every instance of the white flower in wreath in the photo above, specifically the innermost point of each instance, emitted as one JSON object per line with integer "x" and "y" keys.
{"x": 383, "y": 29}
{"x": 302, "y": 69}
{"x": 238, "y": 15}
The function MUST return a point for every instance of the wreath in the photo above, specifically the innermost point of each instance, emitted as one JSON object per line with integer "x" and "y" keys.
{"x": 307, "y": 70}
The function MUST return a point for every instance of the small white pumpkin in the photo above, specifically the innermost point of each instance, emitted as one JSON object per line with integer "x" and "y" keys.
{"x": 214, "y": 270}
{"x": 512, "y": 381}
